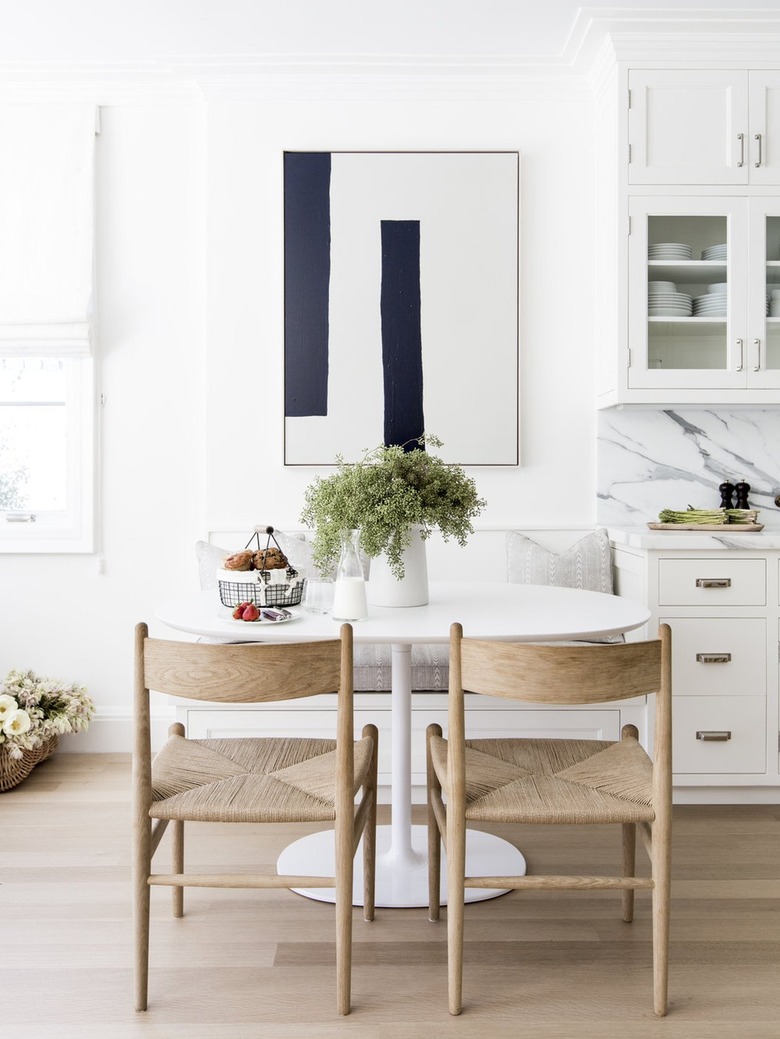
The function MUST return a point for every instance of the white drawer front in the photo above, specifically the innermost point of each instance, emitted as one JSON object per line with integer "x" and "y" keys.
{"x": 533, "y": 724}
{"x": 712, "y": 582}
{"x": 216, "y": 724}
{"x": 743, "y": 718}
{"x": 718, "y": 656}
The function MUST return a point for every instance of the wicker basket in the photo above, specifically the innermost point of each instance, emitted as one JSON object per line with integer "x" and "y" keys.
{"x": 262, "y": 587}
{"x": 14, "y": 770}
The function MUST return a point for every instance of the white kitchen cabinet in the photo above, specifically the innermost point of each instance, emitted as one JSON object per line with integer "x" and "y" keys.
{"x": 704, "y": 126}
{"x": 702, "y": 318}
{"x": 723, "y": 606}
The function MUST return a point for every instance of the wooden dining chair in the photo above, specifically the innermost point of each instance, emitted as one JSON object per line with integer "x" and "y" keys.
{"x": 252, "y": 780}
{"x": 564, "y": 781}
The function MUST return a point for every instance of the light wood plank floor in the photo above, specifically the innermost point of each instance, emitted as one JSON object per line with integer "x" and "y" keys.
{"x": 260, "y": 965}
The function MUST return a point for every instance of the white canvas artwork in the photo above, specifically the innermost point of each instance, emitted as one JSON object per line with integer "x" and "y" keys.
{"x": 401, "y": 304}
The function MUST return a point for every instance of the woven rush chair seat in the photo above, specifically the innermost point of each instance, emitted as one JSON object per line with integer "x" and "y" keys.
{"x": 265, "y": 780}
{"x": 275, "y": 779}
{"x": 553, "y": 781}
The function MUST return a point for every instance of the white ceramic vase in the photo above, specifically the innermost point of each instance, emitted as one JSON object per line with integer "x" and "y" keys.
{"x": 385, "y": 589}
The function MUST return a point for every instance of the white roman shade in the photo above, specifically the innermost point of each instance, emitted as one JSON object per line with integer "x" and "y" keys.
{"x": 46, "y": 229}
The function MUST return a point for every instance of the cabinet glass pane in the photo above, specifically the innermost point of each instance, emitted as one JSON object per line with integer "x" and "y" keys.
{"x": 687, "y": 292}
{"x": 772, "y": 359}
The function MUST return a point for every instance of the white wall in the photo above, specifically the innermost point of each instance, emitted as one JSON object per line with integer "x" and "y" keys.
{"x": 60, "y": 615}
{"x": 247, "y": 482}
{"x": 190, "y": 304}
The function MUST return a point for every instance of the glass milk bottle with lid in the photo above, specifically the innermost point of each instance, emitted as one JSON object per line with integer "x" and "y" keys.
{"x": 349, "y": 596}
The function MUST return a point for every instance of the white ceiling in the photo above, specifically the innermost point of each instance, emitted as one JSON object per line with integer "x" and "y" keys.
{"x": 139, "y": 31}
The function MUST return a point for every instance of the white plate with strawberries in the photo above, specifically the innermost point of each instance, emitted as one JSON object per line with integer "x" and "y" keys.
{"x": 249, "y": 612}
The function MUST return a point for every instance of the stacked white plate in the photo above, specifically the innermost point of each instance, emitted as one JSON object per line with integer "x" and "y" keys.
{"x": 664, "y": 301}
{"x": 714, "y": 303}
{"x": 715, "y": 252}
{"x": 669, "y": 251}
{"x": 774, "y": 304}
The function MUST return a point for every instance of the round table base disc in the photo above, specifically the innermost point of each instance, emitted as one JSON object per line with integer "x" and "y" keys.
{"x": 401, "y": 879}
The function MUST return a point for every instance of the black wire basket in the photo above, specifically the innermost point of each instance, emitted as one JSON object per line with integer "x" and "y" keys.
{"x": 279, "y": 587}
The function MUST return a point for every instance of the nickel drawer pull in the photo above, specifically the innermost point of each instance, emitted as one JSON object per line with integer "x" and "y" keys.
{"x": 713, "y": 658}
{"x": 713, "y": 735}
{"x": 713, "y": 582}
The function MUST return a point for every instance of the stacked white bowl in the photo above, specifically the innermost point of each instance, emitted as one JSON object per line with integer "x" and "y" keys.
{"x": 663, "y": 300}
{"x": 714, "y": 303}
{"x": 715, "y": 252}
{"x": 774, "y": 303}
{"x": 669, "y": 251}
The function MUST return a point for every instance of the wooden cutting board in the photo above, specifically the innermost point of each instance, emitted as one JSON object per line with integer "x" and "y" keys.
{"x": 732, "y": 528}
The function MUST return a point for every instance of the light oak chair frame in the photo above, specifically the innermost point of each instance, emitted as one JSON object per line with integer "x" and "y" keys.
{"x": 551, "y": 674}
{"x": 251, "y": 673}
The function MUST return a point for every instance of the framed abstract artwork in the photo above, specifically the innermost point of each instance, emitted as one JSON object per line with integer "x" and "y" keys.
{"x": 401, "y": 304}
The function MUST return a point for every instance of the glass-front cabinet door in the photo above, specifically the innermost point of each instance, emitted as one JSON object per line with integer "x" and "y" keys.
{"x": 688, "y": 307}
{"x": 763, "y": 347}
{"x": 704, "y": 296}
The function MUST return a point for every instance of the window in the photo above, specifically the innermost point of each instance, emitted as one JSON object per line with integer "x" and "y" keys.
{"x": 47, "y": 408}
{"x": 46, "y": 439}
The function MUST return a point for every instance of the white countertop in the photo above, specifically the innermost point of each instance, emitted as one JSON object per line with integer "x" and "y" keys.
{"x": 694, "y": 540}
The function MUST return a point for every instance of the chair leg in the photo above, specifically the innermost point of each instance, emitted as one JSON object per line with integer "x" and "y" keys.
{"x": 344, "y": 867}
{"x": 433, "y": 788}
{"x": 456, "y": 869}
{"x": 629, "y": 868}
{"x": 177, "y": 864}
{"x": 369, "y": 832}
{"x": 661, "y": 857}
{"x": 142, "y": 866}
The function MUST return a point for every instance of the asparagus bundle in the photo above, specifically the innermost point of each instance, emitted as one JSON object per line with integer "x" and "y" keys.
{"x": 742, "y": 515}
{"x": 708, "y": 517}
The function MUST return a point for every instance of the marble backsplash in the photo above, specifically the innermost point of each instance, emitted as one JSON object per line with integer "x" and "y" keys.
{"x": 650, "y": 460}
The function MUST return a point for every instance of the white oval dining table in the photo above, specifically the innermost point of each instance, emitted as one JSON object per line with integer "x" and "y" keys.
{"x": 488, "y": 610}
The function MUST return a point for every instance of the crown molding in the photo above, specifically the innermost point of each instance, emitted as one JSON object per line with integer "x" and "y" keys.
{"x": 727, "y": 50}
{"x": 736, "y": 36}
{"x": 96, "y": 84}
{"x": 382, "y": 82}
{"x": 600, "y": 38}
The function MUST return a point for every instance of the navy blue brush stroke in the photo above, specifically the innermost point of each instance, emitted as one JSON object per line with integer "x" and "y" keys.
{"x": 401, "y": 331}
{"x": 306, "y": 282}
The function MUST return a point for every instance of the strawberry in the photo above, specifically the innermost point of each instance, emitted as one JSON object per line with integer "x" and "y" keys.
{"x": 251, "y": 613}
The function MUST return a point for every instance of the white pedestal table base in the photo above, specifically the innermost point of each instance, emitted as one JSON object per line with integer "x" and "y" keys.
{"x": 401, "y": 879}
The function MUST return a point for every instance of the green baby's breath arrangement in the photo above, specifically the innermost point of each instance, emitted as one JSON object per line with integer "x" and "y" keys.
{"x": 386, "y": 494}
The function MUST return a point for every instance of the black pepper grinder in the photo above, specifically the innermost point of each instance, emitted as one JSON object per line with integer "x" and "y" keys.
{"x": 726, "y": 491}
{"x": 743, "y": 490}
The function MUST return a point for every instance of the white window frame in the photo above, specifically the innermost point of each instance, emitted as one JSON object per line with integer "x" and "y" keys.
{"x": 47, "y": 260}
{"x": 73, "y": 528}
